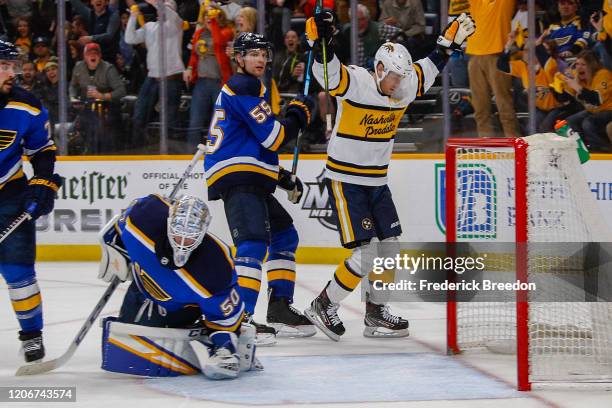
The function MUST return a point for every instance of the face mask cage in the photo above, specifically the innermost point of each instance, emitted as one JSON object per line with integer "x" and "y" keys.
{"x": 187, "y": 225}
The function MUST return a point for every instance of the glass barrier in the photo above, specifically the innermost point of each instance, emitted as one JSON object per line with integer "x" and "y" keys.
{"x": 131, "y": 78}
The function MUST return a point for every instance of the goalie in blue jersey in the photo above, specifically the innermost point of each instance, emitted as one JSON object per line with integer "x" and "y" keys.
{"x": 184, "y": 289}
{"x": 242, "y": 169}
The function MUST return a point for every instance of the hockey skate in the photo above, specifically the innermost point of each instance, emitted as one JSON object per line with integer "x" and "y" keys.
{"x": 324, "y": 314}
{"x": 222, "y": 364}
{"x": 379, "y": 322}
{"x": 287, "y": 320}
{"x": 32, "y": 346}
{"x": 265, "y": 335}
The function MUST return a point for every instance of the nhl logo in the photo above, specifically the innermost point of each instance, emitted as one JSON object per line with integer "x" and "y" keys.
{"x": 316, "y": 201}
{"x": 164, "y": 260}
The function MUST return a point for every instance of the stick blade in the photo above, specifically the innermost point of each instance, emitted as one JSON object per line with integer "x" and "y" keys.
{"x": 39, "y": 368}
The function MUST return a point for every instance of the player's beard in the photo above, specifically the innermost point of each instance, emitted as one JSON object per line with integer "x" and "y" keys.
{"x": 6, "y": 86}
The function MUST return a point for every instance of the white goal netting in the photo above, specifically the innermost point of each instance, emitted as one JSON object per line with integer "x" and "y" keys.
{"x": 569, "y": 339}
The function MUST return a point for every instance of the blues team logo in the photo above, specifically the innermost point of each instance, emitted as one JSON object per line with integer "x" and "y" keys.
{"x": 7, "y": 137}
{"x": 316, "y": 201}
{"x": 476, "y": 203}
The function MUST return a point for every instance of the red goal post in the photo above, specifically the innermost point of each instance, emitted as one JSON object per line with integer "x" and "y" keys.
{"x": 586, "y": 344}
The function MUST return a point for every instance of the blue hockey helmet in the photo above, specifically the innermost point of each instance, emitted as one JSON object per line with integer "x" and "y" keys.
{"x": 252, "y": 41}
{"x": 10, "y": 53}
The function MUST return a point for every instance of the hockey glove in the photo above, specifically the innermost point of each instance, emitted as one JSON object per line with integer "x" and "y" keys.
{"x": 322, "y": 26}
{"x": 115, "y": 258}
{"x": 456, "y": 32}
{"x": 302, "y": 107}
{"x": 291, "y": 184}
{"x": 40, "y": 195}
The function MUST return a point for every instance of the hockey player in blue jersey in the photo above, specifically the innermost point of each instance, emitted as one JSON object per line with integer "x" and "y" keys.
{"x": 184, "y": 285}
{"x": 242, "y": 169}
{"x": 24, "y": 130}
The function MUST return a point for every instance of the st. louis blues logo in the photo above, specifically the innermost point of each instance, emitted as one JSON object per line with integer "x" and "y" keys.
{"x": 476, "y": 201}
{"x": 7, "y": 137}
{"x": 317, "y": 203}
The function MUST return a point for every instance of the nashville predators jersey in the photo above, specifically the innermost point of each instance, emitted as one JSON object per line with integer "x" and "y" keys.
{"x": 208, "y": 273}
{"x": 243, "y": 138}
{"x": 361, "y": 142}
{"x": 24, "y": 130}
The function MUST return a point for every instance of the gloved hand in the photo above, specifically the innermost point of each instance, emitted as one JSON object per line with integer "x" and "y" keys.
{"x": 115, "y": 260}
{"x": 322, "y": 26}
{"x": 290, "y": 183}
{"x": 40, "y": 195}
{"x": 456, "y": 32}
{"x": 302, "y": 106}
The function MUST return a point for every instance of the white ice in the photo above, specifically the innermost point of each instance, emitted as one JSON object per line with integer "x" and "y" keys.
{"x": 357, "y": 371}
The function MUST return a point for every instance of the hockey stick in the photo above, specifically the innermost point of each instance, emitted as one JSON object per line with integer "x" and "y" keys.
{"x": 39, "y": 368}
{"x": 296, "y": 149}
{"x": 25, "y": 216}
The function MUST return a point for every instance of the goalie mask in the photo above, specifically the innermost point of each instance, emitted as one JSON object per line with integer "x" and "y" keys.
{"x": 188, "y": 221}
{"x": 394, "y": 58}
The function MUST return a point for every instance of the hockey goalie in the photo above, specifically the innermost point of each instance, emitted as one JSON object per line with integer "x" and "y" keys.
{"x": 184, "y": 290}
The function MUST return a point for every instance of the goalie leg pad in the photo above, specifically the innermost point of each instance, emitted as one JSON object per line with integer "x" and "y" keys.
{"x": 224, "y": 362}
{"x": 246, "y": 349}
{"x": 148, "y": 351}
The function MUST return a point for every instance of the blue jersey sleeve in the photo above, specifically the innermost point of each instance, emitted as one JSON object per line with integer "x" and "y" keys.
{"x": 38, "y": 136}
{"x": 257, "y": 114}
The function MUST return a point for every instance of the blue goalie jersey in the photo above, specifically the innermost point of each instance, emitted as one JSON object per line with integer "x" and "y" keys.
{"x": 207, "y": 280}
{"x": 243, "y": 138}
{"x": 24, "y": 130}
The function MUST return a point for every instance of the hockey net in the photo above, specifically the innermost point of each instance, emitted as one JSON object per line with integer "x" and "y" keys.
{"x": 527, "y": 192}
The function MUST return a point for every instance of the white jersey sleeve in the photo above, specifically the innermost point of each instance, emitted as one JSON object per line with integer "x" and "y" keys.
{"x": 418, "y": 82}
{"x": 341, "y": 79}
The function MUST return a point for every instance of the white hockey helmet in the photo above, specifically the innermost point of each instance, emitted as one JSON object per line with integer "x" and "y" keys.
{"x": 188, "y": 221}
{"x": 394, "y": 58}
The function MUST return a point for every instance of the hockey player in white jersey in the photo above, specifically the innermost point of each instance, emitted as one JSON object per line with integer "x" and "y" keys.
{"x": 370, "y": 106}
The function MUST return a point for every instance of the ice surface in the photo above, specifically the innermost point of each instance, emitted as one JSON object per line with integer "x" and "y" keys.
{"x": 357, "y": 371}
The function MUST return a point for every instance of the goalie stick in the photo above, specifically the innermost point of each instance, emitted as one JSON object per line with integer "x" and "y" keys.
{"x": 46, "y": 366}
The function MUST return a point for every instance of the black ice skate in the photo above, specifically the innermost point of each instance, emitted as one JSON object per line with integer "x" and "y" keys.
{"x": 32, "y": 346}
{"x": 324, "y": 314}
{"x": 264, "y": 335}
{"x": 287, "y": 320}
{"x": 379, "y": 322}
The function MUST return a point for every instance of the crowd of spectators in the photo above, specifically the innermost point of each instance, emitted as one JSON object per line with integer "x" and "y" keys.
{"x": 114, "y": 68}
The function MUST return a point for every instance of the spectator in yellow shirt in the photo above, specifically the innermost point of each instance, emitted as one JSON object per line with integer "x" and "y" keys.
{"x": 548, "y": 108}
{"x": 591, "y": 85}
{"x": 602, "y": 23}
{"x": 492, "y": 18}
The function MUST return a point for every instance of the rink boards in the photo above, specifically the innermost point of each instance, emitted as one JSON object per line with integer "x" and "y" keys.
{"x": 95, "y": 188}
